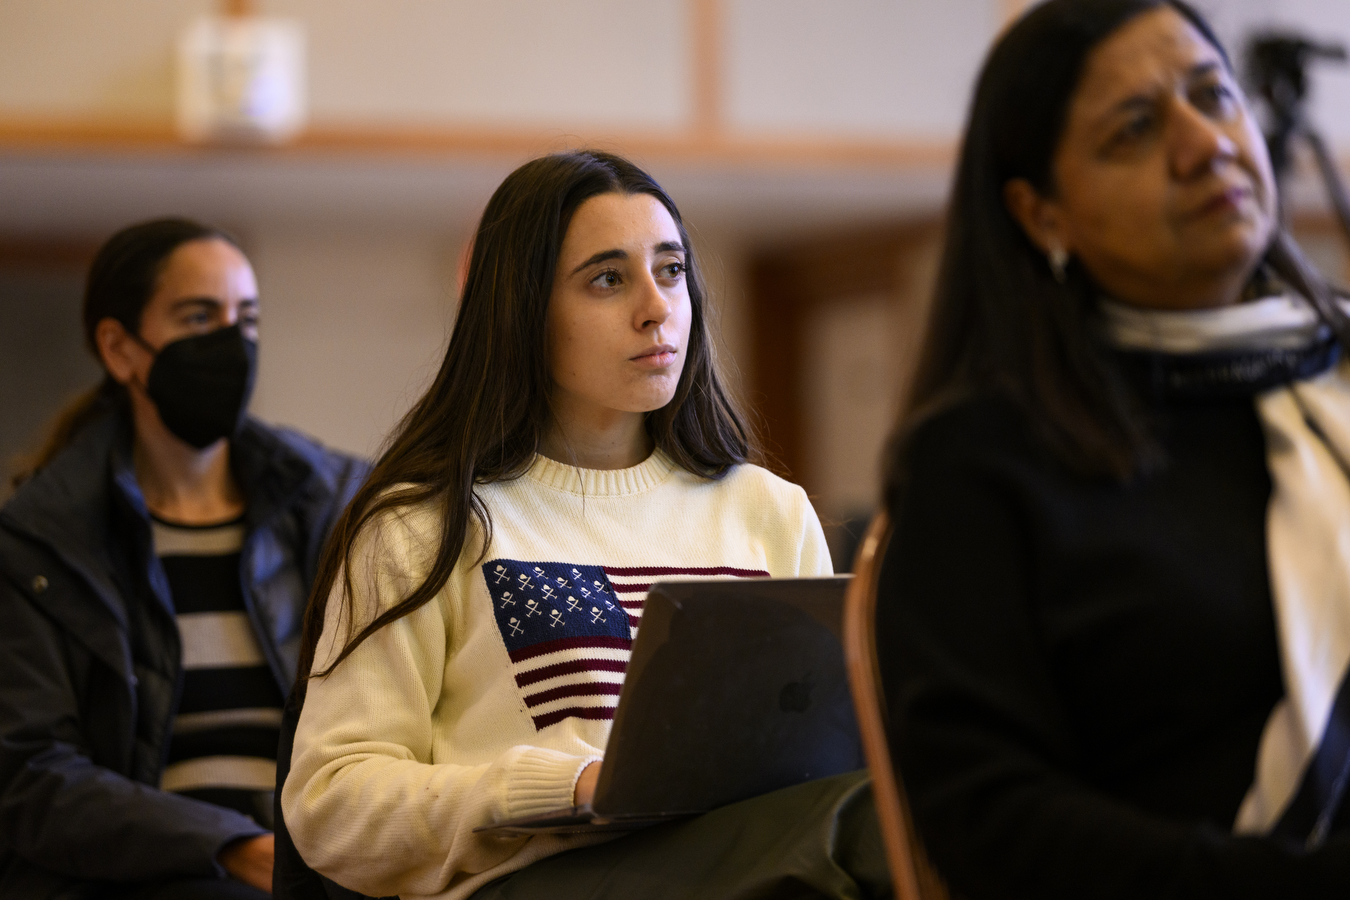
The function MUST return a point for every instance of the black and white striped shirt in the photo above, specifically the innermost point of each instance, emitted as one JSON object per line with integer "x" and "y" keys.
{"x": 224, "y": 743}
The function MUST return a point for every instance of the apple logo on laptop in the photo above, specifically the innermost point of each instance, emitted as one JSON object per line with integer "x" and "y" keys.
{"x": 795, "y": 695}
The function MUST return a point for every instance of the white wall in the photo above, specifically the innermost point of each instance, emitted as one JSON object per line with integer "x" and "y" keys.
{"x": 403, "y": 61}
{"x": 892, "y": 68}
{"x": 354, "y": 324}
{"x": 593, "y": 62}
{"x": 89, "y": 58}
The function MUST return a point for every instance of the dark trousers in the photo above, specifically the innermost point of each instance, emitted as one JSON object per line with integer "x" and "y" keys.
{"x": 818, "y": 839}
{"x": 190, "y": 889}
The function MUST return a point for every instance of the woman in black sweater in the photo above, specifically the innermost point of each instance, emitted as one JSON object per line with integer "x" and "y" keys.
{"x": 1114, "y": 617}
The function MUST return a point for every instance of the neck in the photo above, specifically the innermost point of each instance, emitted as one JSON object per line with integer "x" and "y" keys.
{"x": 1224, "y": 288}
{"x": 602, "y": 440}
{"x": 180, "y": 482}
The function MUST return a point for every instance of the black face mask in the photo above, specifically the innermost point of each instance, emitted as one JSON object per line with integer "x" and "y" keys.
{"x": 201, "y": 384}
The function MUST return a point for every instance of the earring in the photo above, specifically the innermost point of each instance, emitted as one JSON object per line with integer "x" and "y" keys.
{"x": 1059, "y": 259}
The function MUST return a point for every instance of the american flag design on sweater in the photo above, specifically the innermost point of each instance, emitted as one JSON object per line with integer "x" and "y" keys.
{"x": 569, "y": 629}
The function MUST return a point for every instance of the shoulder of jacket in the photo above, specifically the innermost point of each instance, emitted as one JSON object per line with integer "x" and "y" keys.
{"x": 980, "y": 425}
{"x": 340, "y": 473}
{"x": 311, "y": 449}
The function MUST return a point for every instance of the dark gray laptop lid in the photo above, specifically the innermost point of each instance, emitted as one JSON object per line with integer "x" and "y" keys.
{"x": 735, "y": 688}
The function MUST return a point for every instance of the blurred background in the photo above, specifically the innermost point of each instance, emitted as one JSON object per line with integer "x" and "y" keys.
{"x": 809, "y": 145}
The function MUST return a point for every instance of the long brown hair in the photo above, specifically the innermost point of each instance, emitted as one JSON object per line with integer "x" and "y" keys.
{"x": 487, "y": 410}
{"x": 1002, "y": 322}
{"x": 121, "y": 280}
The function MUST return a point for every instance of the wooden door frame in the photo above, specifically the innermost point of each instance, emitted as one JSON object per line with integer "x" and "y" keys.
{"x": 788, "y": 284}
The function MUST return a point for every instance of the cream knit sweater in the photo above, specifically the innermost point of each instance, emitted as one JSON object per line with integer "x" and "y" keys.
{"x": 487, "y": 703}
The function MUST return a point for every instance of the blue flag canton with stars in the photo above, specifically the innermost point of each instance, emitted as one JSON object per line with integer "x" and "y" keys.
{"x": 537, "y": 603}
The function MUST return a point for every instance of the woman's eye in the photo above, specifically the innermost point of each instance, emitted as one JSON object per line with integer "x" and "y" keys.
{"x": 673, "y": 271}
{"x": 1214, "y": 99}
{"x": 1134, "y": 130}
{"x": 607, "y": 279}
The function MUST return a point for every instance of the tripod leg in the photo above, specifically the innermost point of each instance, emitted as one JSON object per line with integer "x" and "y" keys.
{"x": 1331, "y": 175}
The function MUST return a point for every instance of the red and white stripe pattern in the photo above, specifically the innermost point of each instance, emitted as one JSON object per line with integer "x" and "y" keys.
{"x": 580, "y": 680}
{"x": 632, "y": 584}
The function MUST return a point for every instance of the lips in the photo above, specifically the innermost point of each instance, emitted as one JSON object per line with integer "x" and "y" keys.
{"x": 659, "y": 357}
{"x": 1225, "y": 200}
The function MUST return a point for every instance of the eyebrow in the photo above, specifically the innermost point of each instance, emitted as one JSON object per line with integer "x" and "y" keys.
{"x": 1204, "y": 68}
{"x": 208, "y": 301}
{"x": 1137, "y": 101}
{"x": 603, "y": 255}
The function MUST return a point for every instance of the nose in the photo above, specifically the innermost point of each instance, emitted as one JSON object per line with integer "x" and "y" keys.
{"x": 653, "y": 306}
{"x": 1198, "y": 143}
{"x": 229, "y": 313}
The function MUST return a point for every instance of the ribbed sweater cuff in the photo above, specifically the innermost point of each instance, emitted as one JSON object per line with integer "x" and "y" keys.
{"x": 542, "y": 780}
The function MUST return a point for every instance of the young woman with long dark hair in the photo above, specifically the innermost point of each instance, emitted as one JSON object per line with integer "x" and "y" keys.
{"x": 154, "y": 566}
{"x": 1114, "y": 617}
{"x": 472, "y": 619}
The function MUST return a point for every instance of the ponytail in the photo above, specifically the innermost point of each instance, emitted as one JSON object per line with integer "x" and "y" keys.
{"x": 67, "y": 423}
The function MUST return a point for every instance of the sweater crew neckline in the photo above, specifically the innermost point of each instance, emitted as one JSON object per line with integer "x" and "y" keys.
{"x": 602, "y": 482}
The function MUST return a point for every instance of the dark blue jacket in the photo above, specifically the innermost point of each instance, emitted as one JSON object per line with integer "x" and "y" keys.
{"x": 91, "y": 663}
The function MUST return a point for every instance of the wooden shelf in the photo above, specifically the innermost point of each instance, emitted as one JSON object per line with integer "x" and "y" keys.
{"x": 697, "y": 147}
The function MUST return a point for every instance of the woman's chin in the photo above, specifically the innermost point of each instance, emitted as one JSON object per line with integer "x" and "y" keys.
{"x": 1232, "y": 253}
{"x": 656, "y": 403}
{"x": 653, "y": 395}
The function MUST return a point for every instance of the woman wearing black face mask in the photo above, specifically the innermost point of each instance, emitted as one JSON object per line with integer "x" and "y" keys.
{"x": 153, "y": 568}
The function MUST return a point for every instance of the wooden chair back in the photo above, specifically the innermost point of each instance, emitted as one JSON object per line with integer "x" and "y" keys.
{"x": 912, "y": 874}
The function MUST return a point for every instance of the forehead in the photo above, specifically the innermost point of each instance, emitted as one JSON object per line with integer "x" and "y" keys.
{"x": 1149, "y": 53}
{"x": 206, "y": 268}
{"x": 618, "y": 220}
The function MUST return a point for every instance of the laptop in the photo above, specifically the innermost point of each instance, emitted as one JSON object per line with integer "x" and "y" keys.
{"x": 734, "y": 689}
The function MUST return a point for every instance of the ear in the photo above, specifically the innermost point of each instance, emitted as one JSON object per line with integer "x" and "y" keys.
{"x": 115, "y": 350}
{"x": 1040, "y": 217}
